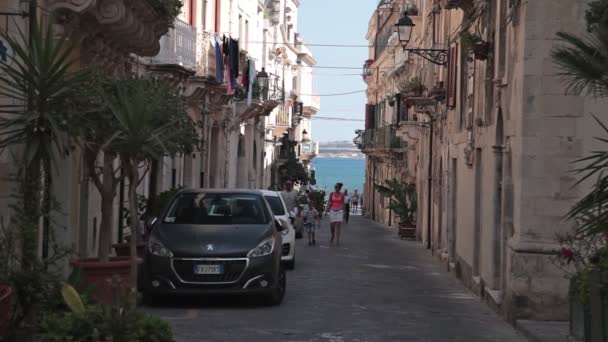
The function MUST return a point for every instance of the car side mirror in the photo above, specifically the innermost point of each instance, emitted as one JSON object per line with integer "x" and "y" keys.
{"x": 280, "y": 225}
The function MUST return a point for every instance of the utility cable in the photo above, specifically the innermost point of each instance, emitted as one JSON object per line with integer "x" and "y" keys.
{"x": 337, "y": 94}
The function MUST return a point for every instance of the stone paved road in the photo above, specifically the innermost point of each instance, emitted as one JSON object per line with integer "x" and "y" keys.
{"x": 374, "y": 287}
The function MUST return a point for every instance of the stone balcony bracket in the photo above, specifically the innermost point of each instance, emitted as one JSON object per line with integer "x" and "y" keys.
{"x": 131, "y": 26}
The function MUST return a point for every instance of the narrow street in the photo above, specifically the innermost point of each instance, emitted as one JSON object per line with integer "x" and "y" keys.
{"x": 375, "y": 287}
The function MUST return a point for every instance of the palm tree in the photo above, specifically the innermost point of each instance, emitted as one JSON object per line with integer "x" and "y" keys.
{"x": 39, "y": 83}
{"x": 583, "y": 64}
{"x": 145, "y": 132}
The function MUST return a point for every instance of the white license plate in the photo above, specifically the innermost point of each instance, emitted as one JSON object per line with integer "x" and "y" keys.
{"x": 208, "y": 269}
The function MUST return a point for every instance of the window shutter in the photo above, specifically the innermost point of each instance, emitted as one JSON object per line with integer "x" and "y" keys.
{"x": 369, "y": 116}
{"x": 452, "y": 76}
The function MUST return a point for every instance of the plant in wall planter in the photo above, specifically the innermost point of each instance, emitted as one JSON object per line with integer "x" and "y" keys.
{"x": 412, "y": 10}
{"x": 473, "y": 43}
{"x": 414, "y": 87}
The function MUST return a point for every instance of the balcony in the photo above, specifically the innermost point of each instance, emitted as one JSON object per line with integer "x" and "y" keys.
{"x": 309, "y": 150}
{"x": 282, "y": 118}
{"x": 273, "y": 92}
{"x": 383, "y": 139}
{"x": 178, "y": 47}
{"x": 114, "y": 27}
{"x": 312, "y": 104}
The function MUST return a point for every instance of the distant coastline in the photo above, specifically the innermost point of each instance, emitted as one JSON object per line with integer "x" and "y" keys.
{"x": 339, "y": 150}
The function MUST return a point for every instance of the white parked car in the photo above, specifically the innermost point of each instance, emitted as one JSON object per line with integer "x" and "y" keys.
{"x": 279, "y": 210}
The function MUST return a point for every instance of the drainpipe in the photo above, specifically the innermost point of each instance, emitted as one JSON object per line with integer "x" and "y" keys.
{"x": 430, "y": 185}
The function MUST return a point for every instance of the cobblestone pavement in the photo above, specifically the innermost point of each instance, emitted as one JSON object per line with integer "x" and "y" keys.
{"x": 374, "y": 287}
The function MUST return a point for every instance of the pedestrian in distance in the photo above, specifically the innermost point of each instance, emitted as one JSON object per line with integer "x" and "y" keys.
{"x": 335, "y": 209}
{"x": 346, "y": 206}
{"x": 310, "y": 215}
{"x": 355, "y": 201}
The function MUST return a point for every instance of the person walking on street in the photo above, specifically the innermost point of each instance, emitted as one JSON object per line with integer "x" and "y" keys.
{"x": 346, "y": 206}
{"x": 355, "y": 201}
{"x": 290, "y": 197}
{"x": 335, "y": 209}
{"x": 310, "y": 215}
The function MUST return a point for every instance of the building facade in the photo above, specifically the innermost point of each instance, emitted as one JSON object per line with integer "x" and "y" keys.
{"x": 490, "y": 140}
{"x": 239, "y": 128}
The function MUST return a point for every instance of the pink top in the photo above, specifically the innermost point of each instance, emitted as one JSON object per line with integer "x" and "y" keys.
{"x": 336, "y": 201}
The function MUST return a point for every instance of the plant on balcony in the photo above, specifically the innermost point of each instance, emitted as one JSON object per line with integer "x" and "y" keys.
{"x": 167, "y": 9}
{"x": 403, "y": 202}
{"x": 412, "y": 9}
{"x": 414, "y": 87}
{"x": 473, "y": 43}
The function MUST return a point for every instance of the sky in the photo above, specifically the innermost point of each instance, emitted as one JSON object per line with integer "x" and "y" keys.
{"x": 337, "y": 22}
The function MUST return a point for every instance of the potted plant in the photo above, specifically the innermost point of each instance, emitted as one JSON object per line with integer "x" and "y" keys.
{"x": 412, "y": 9}
{"x": 403, "y": 203}
{"x": 156, "y": 109}
{"x": 414, "y": 87}
{"x": 81, "y": 321}
{"x": 473, "y": 43}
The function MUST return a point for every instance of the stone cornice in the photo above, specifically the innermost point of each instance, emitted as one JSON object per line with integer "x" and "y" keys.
{"x": 130, "y": 25}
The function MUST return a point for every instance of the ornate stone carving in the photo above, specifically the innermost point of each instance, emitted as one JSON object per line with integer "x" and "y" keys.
{"x": 129, "y": 26}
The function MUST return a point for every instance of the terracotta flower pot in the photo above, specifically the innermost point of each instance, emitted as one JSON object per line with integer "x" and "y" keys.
{"x": 108, "y": 281}
{"x": 407, "y": 231}
{"x": 124, "y": 249}
{"x": 6, "y": 302}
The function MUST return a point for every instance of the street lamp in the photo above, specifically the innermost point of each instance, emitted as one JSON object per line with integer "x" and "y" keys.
{"x": 262, "y": 81}
{"x": 405, "y": 26}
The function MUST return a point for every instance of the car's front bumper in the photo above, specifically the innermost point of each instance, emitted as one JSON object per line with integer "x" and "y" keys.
{"x": 288, "y": 249}
{"x": 170, "y": 275}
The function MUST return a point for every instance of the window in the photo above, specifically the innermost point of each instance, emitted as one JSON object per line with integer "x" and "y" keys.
{"x": 276, "y": 205}
{"x": 217, "y": 209}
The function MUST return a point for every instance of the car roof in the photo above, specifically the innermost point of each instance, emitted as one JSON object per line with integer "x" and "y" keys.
{"x": 270, "y": 193}
{"x": 222, "y": 191}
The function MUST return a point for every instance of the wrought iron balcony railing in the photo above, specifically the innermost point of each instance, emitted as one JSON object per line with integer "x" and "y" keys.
{"x": 178, "y": 46}
{"x": 271, "y": 91}
{"x": 383, "y": 138}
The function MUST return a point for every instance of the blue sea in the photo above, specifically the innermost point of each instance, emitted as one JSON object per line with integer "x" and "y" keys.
{"x": 330, "y": 171}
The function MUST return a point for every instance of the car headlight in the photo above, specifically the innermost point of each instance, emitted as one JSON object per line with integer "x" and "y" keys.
{"x": 284, "y": 232}
{"x": 158, "y": 249}
{"x": 264, "y": 248}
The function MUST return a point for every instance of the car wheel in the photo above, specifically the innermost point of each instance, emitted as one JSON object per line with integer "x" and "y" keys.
{"x": 275, "y": 297}
{"x": 291, "y": 264}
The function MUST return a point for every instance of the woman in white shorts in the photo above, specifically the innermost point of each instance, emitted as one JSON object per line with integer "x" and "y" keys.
{"x": 335, "y": 209}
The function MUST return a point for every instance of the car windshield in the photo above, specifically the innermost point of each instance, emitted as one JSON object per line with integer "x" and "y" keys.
{"x": 216, "y": 209}
{"x": 275, "y": 205}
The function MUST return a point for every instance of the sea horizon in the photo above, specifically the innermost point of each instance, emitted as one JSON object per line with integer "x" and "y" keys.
{"x": 330, "y": 170}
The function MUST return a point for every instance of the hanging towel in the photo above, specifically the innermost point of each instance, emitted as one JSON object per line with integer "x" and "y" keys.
{"x": 219, "y": 61}
{"x": 229, "y": 86}
{"x": 252, "y": 76}
{"x": 234, "y": 57}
